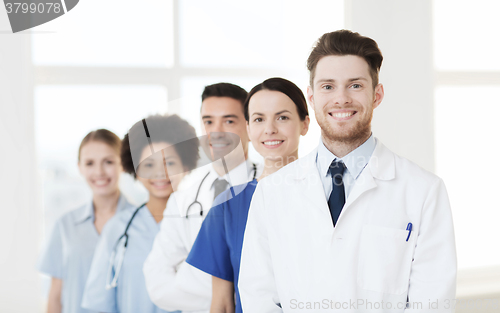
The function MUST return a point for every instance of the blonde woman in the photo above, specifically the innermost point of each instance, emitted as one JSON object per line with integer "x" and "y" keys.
{"x": 68, "y": 254}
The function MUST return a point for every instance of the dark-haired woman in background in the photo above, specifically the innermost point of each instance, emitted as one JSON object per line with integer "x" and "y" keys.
{"x": 116, "y": 282}
{"x": 277, "y": 115}
{"x": 71, "y": 246}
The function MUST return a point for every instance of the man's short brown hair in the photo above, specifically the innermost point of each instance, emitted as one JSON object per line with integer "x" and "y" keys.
{"x": 345, "y": 42}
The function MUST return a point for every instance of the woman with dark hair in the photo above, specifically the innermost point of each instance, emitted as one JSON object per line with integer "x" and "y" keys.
{"x": 68, "y": 254}
{"x": 277, "y": 115}
{"x": 157, "y": 151}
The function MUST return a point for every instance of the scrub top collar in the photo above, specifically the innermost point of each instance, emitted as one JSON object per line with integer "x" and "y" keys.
{"x": 88, "y": 211}
{"x": 355, "y": 161}
{"x": 148, "y": 218}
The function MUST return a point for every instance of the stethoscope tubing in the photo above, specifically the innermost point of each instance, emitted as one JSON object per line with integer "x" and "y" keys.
{"x": 125, "y": 233}
{"x": 199, "y": 188}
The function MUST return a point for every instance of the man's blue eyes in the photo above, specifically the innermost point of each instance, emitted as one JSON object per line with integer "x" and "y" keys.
{"x": 355, "y": 86}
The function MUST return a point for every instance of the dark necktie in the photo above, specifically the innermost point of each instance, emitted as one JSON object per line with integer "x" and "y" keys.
{"x": 219, "y": 185}
{"x": 337, "y": 197}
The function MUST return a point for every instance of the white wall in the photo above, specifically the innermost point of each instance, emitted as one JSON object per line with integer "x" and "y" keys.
{"x": 404, "y": 120}
{"x": 20, "y": 219}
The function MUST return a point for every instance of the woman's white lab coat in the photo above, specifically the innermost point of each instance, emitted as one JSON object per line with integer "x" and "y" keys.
{"x": 293, "y": 256}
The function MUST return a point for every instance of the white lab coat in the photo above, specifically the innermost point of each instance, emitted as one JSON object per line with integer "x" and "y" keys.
{"x": 172, "y": 283}
{"x": 292, "y": 254}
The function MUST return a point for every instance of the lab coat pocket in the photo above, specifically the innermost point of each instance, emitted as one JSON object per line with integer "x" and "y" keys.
{"x": 385, "y": 259}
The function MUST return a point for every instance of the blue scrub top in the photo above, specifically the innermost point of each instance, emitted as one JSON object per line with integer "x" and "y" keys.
{"x": 69, "y": 251}
{"x": 217, "y": 249}
{"x": 130, "y": 295}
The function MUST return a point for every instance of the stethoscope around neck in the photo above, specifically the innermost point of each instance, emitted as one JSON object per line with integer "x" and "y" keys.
{"x": 111, "y": 281}
{"x": 198, "y": 203}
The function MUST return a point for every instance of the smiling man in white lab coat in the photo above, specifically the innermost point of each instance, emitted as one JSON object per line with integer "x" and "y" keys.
{"x": 172, "y": 283}
{"x": 351, "y": 227}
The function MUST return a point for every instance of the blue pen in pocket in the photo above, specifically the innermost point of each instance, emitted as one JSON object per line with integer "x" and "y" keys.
{"x": 408, "y": 228}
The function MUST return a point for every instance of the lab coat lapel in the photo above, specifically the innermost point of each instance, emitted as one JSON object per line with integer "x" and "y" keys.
{"x": 364, "y": 183}
{"x": 310, "y": 183}
{"x": 381, "y": 166}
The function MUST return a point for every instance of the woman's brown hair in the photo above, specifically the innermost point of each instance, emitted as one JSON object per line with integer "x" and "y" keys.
{"x": 284, "y": 86}
{"x": 102, "y": 135}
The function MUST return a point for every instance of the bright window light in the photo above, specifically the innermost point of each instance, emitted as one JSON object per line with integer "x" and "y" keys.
{"x": 64, "y": 115}
{"x": 467, "y": 154}
{"x": 112, "y": 33}
{"x": 278, "y": 34}
{"x": 466, "y": 35}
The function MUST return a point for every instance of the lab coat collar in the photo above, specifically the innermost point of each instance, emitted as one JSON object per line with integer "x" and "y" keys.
{"x": 88, "y": 210}
{"x": 381, "y": 163}
{"x": 381, "y": 166}
{"x": 355, "y": 161}
{"x": 306, "y": 174}
{"x": 239, "y": 175}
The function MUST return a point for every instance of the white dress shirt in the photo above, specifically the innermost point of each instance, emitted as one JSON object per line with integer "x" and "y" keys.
{"x": 172, "y": 283}
{"x": 355, "y": 162}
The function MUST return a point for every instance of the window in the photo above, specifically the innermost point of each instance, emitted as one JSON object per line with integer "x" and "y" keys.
{"x": 466, "y": 35}
{"x": 110, "y": 33}
{"x": 64, "y": 115}
{"x": 109, "y": 64}
{"x": 466, "y": 108}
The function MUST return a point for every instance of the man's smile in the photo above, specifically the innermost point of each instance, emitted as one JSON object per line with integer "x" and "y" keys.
{"x": 342, "y": 115}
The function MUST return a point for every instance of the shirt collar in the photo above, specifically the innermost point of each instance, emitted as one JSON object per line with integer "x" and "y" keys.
{"x": 87, "y": 211}
{"x": 355, "y": 161}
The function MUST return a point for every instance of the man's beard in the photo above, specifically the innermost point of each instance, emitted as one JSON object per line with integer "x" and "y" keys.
{"x": 355, "y": 133}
